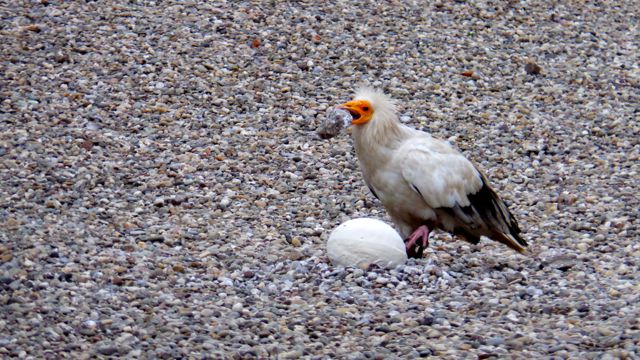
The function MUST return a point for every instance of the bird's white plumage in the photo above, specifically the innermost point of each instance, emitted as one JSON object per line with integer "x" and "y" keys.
{"x": 411, "y": 172}
{"x": 423, "y": 181}
{"x": 363, "y": 241}
{"x": 447, "y": 180}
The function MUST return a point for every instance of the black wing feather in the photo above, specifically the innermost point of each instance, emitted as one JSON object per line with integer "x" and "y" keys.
{"x": 494, "y": 212}
{"x": 486, "y": 215}
{"x": 373, "y": 192}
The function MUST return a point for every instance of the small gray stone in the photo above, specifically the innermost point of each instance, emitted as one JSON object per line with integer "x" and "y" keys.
{"x": 224, "y": 203}
{"x": 107, "y": 350}
{"x": 561, "y": 262}
{"x": 495, "y": 341}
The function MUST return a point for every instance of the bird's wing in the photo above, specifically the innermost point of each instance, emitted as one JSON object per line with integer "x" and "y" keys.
{"x": 451, "y": 184}
{"x": 440, "y": 174}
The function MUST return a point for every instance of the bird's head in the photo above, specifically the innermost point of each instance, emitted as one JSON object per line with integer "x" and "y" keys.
{"x": 361, "y": 111}
{"x": 367, "y": 105}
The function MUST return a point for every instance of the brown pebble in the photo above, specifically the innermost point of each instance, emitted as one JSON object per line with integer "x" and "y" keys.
{"x": 294, "y": 255}
{"x": 5, "y": 254}
{"x": 296, "y": 242}
{"x": 87, "y": 145}
{"x": 532, "y": 68}
{"x": 178, "y": 268}
{"x": 33, "y": 27}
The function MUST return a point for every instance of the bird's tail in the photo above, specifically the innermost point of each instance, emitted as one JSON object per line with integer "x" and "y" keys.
{"x": 505, "y": 226}
{"x": 512, "y": 240}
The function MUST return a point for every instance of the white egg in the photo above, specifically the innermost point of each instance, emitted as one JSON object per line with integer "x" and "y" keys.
{"x": 363, "y": 241}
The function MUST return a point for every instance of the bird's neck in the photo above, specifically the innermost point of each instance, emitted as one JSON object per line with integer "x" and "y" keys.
{"x": 378, "y": 138}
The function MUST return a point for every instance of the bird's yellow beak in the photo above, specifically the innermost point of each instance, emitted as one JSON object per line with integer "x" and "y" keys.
{"x": 361, "y": 111}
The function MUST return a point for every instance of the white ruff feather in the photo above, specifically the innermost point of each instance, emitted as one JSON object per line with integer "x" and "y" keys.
{"x": 378, "y": 99}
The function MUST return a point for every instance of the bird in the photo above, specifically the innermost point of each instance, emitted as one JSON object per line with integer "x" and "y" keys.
{"x": 424, "y": 183}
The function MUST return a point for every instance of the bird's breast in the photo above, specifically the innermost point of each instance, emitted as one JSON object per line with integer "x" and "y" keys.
{"x": 405, "y": 206}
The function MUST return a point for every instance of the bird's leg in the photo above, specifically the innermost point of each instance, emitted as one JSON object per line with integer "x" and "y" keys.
{"x": 421, "y": 233}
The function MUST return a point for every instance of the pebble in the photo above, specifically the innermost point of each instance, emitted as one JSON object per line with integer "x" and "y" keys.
{"x": 495, "y": 341}
{"x": 532, "y": 68}
{"x": 561, "y": 262}
{"x": 152, "y": 174}
{"x": 225, "y": 281}
{"x": 296, "y": 242}
{"x": 107, "y": 350}
{"x": 224, "y": 203}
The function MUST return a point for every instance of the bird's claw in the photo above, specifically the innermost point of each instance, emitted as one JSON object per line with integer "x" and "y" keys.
{"x": 415, "y": 249}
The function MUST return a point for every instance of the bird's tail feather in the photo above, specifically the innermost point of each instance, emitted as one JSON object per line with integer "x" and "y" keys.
{"x": 513, "y": 240}
{"x": 506, "y": 228}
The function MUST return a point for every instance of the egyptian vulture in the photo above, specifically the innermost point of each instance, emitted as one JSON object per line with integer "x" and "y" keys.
{"x": 423, "y": 182}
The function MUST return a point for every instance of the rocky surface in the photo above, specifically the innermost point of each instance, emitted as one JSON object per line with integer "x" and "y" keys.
{"x": 164, "y": 192}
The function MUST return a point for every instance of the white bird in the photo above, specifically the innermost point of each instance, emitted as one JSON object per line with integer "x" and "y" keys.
{"x": 423, "y": 182}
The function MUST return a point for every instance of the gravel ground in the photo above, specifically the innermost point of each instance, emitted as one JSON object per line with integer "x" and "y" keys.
{"x": 165, "y": 194}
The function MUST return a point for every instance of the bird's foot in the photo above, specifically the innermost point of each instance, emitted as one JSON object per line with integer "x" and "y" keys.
{"x": 415, "y": 248}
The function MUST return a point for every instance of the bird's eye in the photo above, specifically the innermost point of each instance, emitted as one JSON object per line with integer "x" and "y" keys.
{"x": 366, "y": 108}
